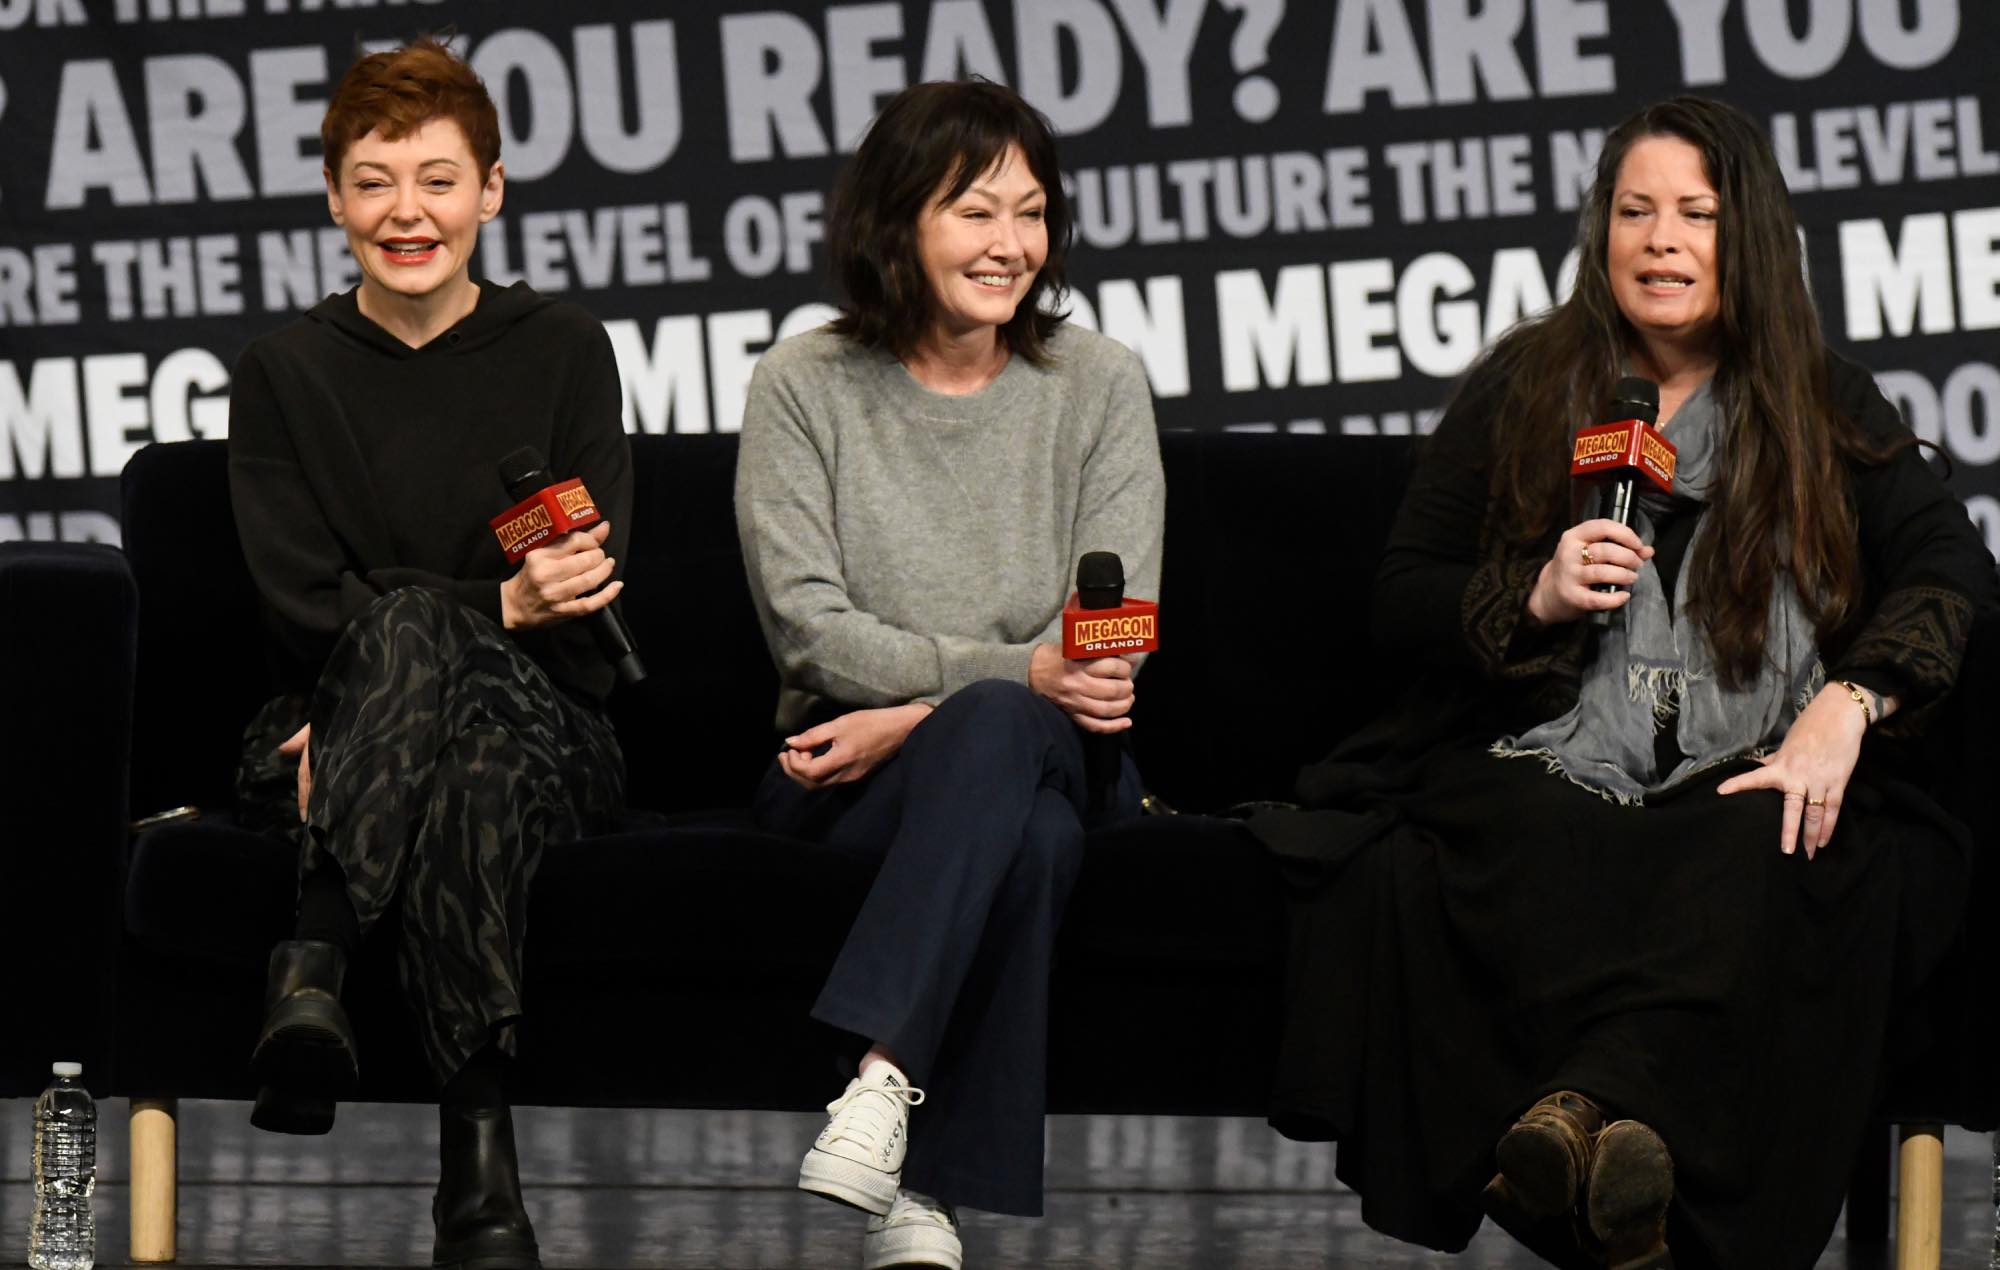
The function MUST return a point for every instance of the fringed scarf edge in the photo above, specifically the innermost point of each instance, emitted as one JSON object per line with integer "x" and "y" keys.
{"x": 1554, "y": 764}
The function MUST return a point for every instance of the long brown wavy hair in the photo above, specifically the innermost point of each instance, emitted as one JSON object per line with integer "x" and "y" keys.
{"x": 1782, "y": 494}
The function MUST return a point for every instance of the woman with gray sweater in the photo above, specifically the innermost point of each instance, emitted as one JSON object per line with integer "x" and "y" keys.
{"x": 915, "y": 484}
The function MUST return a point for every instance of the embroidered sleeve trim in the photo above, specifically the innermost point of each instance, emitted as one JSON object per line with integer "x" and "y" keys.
{"x": 1919, "y": 634}
{"x": 1492, "y": 610}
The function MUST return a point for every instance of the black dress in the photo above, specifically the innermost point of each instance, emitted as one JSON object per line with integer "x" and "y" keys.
{"x": 1471, "y": 932}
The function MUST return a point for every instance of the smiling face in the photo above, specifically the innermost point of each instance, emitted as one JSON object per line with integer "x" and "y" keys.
{"x": 412, "y": 208}
{"x": 981, "y": 250}
{"x": 1662, "y": 253}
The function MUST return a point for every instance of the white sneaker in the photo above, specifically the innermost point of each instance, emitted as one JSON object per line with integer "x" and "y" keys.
{"x": 858, "y": 1157}
{"x": 918, "y": 1231}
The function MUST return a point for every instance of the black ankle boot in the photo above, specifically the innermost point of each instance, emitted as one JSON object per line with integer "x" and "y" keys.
{"x": 481, "y": 1223}
{"x": 305, "y": 1055}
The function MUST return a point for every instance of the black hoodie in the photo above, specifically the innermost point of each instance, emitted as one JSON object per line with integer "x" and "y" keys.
{"x": 358, "y": 464}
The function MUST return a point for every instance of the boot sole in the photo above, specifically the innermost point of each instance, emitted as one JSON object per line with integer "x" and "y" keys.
{"x": 845, "y": 1182}
{"x": 1631, "y": 1185}
{"x": 1536, "y": 1162}
{"x": 307, "y": 1050}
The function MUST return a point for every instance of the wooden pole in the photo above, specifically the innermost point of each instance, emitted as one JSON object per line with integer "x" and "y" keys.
{"x": 154, "y": 1169}
{"x": 1920, "y": 1197}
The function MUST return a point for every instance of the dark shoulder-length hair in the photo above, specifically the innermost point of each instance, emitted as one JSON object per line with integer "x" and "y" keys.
{"x": 928, "y": 145}
{"x": 1781, "y": 500}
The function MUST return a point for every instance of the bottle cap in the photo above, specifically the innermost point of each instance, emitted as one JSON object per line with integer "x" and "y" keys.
{"x": 70, "y": 1070}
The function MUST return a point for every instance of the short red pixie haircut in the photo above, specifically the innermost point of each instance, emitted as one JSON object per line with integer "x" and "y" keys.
{"x": 402, "y": 90}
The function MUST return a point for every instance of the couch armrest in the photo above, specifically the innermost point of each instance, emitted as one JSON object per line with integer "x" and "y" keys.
{"x": 1943, "y": 1037}
{"x": 68, "y": 638}
{"x": 1968, "y": 792}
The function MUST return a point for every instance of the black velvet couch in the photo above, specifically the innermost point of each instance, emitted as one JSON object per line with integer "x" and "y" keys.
{"x": 128, "y": 679}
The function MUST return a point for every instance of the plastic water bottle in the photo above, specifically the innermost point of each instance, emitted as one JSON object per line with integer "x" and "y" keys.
{"x": 62, "y": 1235}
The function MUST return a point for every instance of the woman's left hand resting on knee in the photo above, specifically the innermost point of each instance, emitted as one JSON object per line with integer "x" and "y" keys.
{"x": 554, "y": 582}
{"x": 856, "y": 744}
{"x": 1811, "y": 768}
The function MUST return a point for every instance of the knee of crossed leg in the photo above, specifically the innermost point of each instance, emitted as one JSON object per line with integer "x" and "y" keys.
{"x": 992, "y": 705}
{"x": 422, "y": 608}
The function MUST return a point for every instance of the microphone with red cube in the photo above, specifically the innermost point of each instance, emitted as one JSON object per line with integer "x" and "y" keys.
{"x": 545, "y": 510}
{"x": 1625, "y": 451}
{"x": 1100, "y": 621}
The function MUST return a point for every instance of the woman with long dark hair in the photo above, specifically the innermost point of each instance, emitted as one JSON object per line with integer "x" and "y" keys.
{"x": 916, "y": 482}
{"x": 1599, "y": 932}
{"x": 441, "y": 716}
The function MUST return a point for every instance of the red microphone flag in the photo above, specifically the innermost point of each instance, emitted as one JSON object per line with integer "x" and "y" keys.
{"x": 1132, "y": 626}
{"x": 1616, "y": 451}
{"x": 544, "y": 516}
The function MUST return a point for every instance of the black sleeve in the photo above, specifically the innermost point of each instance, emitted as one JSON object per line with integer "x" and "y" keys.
{"x": 312, "y": 584}
{"x": 1446, "y": 595}
{"x": 590, "y": 438}
{"x": 1928, "y": 568}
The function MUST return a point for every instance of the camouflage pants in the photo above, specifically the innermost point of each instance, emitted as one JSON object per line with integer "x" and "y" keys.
{"x": 443, "y": 761}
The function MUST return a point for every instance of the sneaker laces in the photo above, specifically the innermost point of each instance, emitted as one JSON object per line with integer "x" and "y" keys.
{"x": 873, "y": 1119}
{"x": 913, "y": 1208}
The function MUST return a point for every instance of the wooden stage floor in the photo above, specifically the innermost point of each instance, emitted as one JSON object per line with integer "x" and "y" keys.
{"x": 712, "y": 1191}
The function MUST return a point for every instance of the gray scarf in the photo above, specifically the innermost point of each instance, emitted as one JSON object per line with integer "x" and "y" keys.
{"x": 1652, "y": 664}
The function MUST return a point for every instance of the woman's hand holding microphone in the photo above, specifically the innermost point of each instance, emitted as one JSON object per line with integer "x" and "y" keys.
{"x": 1586, "y": 556}
{"x": 1097, "y": 695}
{"x": 555, "y": 583}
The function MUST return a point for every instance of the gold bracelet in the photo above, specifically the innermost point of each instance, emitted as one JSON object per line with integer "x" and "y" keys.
{"x": 1860, "y": 699}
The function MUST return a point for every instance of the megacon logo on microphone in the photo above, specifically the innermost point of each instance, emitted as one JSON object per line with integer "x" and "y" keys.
{"x": 1614, "y": 450}
{"x": 1131, "y": 627}
{"x": 543, "y": 516}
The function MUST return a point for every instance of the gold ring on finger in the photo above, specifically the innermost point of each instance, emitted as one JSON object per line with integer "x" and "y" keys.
{"x": 1815, "y": 802}
{"x": 1586, "y": 557}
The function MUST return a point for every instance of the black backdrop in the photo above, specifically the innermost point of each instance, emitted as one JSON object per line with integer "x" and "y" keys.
{"x": 1305, "y": 215}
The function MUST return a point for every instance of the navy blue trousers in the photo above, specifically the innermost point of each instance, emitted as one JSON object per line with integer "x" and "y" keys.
{"x": 978, "y": 823}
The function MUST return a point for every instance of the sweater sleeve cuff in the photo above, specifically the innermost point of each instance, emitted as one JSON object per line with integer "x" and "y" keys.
{"x": 963, "y": 661}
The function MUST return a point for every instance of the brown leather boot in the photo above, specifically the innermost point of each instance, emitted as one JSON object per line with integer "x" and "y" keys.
{"x": 306, "y": 1055}
{"x": 1626, "y": 1199}
{"x": 481, "y": 1222}
{"x": 1546, "y": 1156}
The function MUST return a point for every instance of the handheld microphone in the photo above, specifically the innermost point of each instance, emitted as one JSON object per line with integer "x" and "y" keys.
{"x": 1100, "y": 622}
{"x": 1623, "y": 450}
{"x": 544, "y": 509}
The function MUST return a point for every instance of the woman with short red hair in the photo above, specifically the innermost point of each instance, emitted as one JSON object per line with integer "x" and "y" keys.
{"x": 439, "y": 717}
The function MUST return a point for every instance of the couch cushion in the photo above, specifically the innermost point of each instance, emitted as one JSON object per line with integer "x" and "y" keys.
{"x": 1265, "y": 657}
{"x": 1167, "y": 893}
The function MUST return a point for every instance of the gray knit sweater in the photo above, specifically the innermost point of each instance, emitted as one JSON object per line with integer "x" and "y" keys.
{"x": 903, "y": 543}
